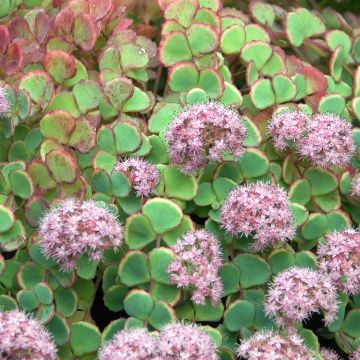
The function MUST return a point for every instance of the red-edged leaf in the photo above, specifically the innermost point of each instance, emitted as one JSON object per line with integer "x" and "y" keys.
{"x": 85, "y": 31}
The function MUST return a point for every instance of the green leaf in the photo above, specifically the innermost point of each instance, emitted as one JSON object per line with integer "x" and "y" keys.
{"x": 183, "y": 77}
{"x": 333, "y": 103}
{"x": 321, "y": 181}
{"x": 59, "y": 329}
{"x": 164, "y": 215}
{"x": 62, "y": 165}
{"x": 27, "y": 300}
{"x": 138, "y": 231}
{"x": 178, "y": 185}
{"x": 239, "y": 314}
{"x": 162, "y": 116}
{"x": 232, "y": 39}
{"x": 59, "y": 65}
{"x": 134, "y": 268}
{"x": 284, "y": 88}
{"x": 212, "y": 83}
{"x": 58, "y": 125}
{"x": 174, "y": 48}
{"x": 254, "y": 163}
{"x": 139, "y": 304}
{"x": 257, "y": 51}
{"x": 161, "y": 315}
{"x": 262, "y": 94}
{"x": 7, "y": 219}
{"x": 160, "y": 259}
{"x": 202, "y": 38}
{"x": 66, "y": 301}
{"x": 87, "y": 94}
{"x": 39, "y": 86}
{"x": 315, "y": 226}
{"x": 21, "y": 184}
{"x": 127, "y": 137}
{"x": 85, "y": 338}
{"x": 182, "y": 11}
{"x": 253, "y": 270}
{"x": 114, "y": 297}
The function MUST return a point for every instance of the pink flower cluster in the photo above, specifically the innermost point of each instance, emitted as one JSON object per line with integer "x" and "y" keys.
{"x": 339, "y": 257}
{"x": 329, "y": 354}
{"x": 328, "y": 142}
{"x": 286, "y": 127}
{"x": 75, "y": 228}
{"x": 143, "y": 175}
{"x": 186, "y": 342}
{"x": 355, "y": 187}
{"x": 205, "y": 132}
{"x": 196, "y": 265}
{"x": 356, "y": 354}
{"x": 23, "y": 338}
{"x": 267, "y": 345}
{"x": 261, "y": 210}
{"x": 4, "y": 103}
{"x": 296, "y": 293}
{"x": 175, "y": 342}
{"x": 324, "y": 139}
{"x": 133, "y": 344}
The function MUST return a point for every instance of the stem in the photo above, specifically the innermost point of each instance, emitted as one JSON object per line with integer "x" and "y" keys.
{"x": 87, "y": 314}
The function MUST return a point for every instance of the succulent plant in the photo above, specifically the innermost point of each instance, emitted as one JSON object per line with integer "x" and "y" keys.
{"x": 261, "y": 210}
{"x": 185, "y": 161}
{"x": 339, "y": 258}
{"x": 73, "y": 229}
{"x": 196, "y": 264}
{"x": 296, "y": 293}
{"x": 23, "y": 338}
{"x": 267, "y": 345}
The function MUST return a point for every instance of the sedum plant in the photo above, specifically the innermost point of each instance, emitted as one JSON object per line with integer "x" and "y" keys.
{"x": 179, "y": 179}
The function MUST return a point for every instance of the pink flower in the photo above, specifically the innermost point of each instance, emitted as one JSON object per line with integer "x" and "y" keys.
{"x": 261, "y": 210}
{"x": 186, "y": 342}
{"x": 296, "y": 293}
{"x": 356, "y": 354}
{"x": 24, "y": 338}
{"x": 196, "y": 265}
{"x": 328, "y": 142}
{"x": 355, "y": 187}
{"x": 143, "y": 175}
{"x": 134, "y": 344}
{"x": 329, "y": 354}
{"x": 205, "y": 132}
{"x": 339, "y": 257}
{"x": 4, "y": 102}
{"x": 286, "y": 127}
{"x": 267, "y": 345}
{"x": 75, "y": 228}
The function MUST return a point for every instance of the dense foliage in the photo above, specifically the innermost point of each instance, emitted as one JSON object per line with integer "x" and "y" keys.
{"x": 193, "y": 166}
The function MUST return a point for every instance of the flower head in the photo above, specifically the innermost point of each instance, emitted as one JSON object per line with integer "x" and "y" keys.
{"x": 296, "y": 293}
{"x": 329, "y": 354}
{"x": 260, "y": 209}
{"x": 205, "y": 132}
{"x": 23, "y": 338}
{"x": 267, "y": 345}
{"x": 339, "y": 257}
{"x": 328, "y": 142}
{"x": 196, "y": 265}
{"x": 75, "y": 228}
{"x": 287, "y": 126}
{"x": 134, "y": 344}
{"x": 186, "y": 342}
{"x": 143, "y": 175}
{"x": 4, "y": 102}
{"x": 355, "y": 187}
{"x": 356, "y": 354}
